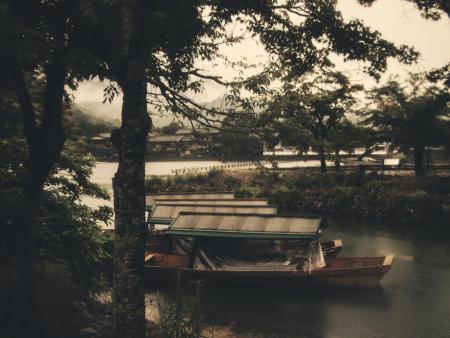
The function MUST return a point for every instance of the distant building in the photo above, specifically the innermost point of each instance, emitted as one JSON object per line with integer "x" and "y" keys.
{"x": 170, "y": 145}
{"x": 184, "y": 143}
{"x": 103, "y": 139}
{"x": 100, "y": 146}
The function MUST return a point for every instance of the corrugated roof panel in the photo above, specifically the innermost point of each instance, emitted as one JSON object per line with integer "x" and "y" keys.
{"x": 172, "y": 211}
{"x": 150, "y": 198}
{"x": 309, "y": 224}
{"x": 230, "y": 223}
{"x": 225, "y": 201}
{"x": 245, "y": 225}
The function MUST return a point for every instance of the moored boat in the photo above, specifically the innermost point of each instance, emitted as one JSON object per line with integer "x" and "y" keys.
{"x": 259, "y": 249}
{"x": 163, "y": 212}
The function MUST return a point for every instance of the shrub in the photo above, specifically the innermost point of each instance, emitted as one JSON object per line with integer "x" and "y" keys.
{"x": 356, "y": 194}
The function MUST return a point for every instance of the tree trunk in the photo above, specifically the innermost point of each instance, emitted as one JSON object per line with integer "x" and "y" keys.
{"x": 44, "y": 147}
{"x": 418, "y": 161}
{"x": 24, "y": 321}
{"x": 337, "y": 160}
{"x": 323, "y": 164}
{"x": 129, "y": 206}
{"x": 23, "y": 311}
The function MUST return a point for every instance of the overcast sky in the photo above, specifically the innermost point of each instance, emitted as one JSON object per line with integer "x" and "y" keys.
{"x": 397, "y": 20}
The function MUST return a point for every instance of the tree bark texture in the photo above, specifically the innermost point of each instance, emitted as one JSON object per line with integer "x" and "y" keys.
{"x": 129, "y": 180}
{"x": 129, "y": 206}
{"x": 418, "y": 161}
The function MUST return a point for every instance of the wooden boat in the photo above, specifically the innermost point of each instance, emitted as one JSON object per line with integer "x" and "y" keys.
{"x": 164, "y": 212}
{"x": 246, "y": 234}
{"x": 348, "y": 272}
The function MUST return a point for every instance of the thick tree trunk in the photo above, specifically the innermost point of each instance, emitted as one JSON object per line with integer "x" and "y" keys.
{"x": 128, "y": 183}
{"x": 418, "y": 161}
{"x": 323, "y": 163}
{"x": 44, "y": 147}
{"x": 129, "y": 206}
{"x": 24, "y": 322}
{"x": 22, "y": 309}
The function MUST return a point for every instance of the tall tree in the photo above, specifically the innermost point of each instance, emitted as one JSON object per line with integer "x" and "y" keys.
{"x": 68, "y": 238}
{"x": 40, "y": 41}
{"x": 128, "y": 183}
{"x": 413, "y": 115}
{"x": 346, "y": 136}
{"x": 310, "y": 114}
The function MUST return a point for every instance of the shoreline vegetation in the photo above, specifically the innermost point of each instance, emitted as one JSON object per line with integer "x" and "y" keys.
{"x": 367, "y": 195}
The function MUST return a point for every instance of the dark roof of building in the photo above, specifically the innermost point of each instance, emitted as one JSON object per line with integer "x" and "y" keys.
{"x": 187, "y": 131}
{"x": 165, "y": 138}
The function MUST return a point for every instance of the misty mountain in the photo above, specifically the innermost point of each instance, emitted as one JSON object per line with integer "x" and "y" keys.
{"x": 82, "y": 124}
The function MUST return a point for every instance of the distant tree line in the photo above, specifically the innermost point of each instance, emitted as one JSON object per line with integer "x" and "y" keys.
{"x": 317, "y": 114}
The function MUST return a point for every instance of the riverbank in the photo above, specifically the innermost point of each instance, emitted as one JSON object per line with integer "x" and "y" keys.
{"x": 394, "y": 199}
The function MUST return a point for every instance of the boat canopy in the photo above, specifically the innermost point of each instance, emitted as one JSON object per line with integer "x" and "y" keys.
{"x": 225, "y": 201}
{"x": 164, "y": 213}
{"x": 150, "y": 198}
{"x": 257, "y": 226}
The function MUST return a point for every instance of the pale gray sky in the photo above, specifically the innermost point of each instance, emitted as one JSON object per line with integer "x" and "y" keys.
{"x": 398, "y": 21}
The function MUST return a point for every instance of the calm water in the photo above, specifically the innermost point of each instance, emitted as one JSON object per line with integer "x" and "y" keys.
{"x": 413, "y": 301}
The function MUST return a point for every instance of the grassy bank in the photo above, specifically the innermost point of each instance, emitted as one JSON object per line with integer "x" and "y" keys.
{"x": 359, "y": 195}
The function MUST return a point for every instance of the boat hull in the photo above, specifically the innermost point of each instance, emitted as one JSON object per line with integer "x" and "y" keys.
{"x": 342, "y": 272}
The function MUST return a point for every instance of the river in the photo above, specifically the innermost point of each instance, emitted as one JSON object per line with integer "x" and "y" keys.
{"x": 413, "y": 300}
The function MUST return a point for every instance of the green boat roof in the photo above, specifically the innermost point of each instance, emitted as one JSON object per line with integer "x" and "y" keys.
{"x": 164, "y": 213}
{"x": 257, "y": 226}
{"x": 151, "y": 197}
{"x": 210, "y": 201}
